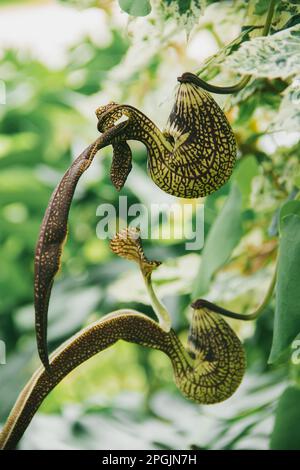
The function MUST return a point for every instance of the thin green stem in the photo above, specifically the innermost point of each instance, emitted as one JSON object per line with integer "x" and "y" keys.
{"x": 214, "y": 34}
{"x": 201, "y": 303}
{"x": 160, "y": 310}
{"x": 189, "y": 77}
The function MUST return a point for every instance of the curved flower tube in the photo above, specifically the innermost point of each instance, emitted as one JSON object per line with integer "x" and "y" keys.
{"x": 53, "y": 234}
{"x": 193, "y": 157}
{"x": 208, "y": 371}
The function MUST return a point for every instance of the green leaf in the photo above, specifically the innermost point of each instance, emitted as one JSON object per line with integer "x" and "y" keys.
{"x": 290, "y": 207}
{"x": 246, "y": 170}
{"x": 222, "y": 239}
{"x": 272, "y": 56}
{"x": 136, "y": 7}
{"x": 286, "y": 432}
{"x": 287, "y": 312}
{"x": 261, "y": 7}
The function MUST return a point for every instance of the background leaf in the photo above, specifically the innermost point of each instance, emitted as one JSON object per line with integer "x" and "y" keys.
{"x": 98, "y": 56}
{"x": 222, "y": 238}
{"x": 246, "y": 170}
{"x": 186, "y": 13}
{"x": 288, "y": 116}
{"x": 136, "y": 7}
{"x": 287, "y": 318}
{"x": 286, "y": 432}
{"x": 272, "y": 56}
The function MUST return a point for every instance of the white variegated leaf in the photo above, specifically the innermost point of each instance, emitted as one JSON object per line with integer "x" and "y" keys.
{"x": 272, "y": 56}
{"x": 186, "y": 13}
{"x": 288, "y": 117}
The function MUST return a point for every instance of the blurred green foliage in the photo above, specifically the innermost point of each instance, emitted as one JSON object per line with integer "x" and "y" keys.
{"x": 125, "y": 397}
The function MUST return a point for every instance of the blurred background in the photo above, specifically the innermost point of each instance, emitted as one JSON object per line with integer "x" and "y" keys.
{"x": 59, "y": 61}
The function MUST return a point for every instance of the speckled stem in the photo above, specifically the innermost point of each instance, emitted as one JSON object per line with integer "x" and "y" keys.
{"x": 53, "y": 234}
{"x": 121, "y": 325}
{"x": 209, "y": 370}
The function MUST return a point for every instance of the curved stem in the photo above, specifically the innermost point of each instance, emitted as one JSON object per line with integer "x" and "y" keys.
{"x": 208, "y": 371}
{"x": 128, "y": 244}
{"x": 188, "y": 77}
{"x": 161, "y": 312}
{"x": 194, "y": 78}
{"x": 128, "y": 325}
{"x": 202, "y": 303}
{"x": 53, "y": 235}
